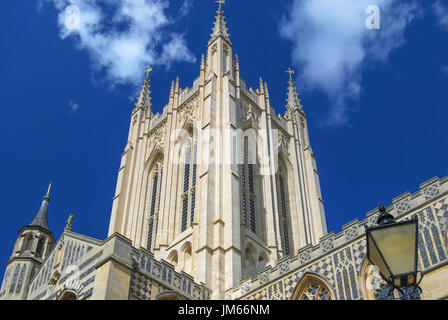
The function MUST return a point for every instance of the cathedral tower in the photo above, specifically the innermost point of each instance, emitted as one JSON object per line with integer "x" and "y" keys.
{"x": 30, "y": 251}
{"x": 218, "y": 184}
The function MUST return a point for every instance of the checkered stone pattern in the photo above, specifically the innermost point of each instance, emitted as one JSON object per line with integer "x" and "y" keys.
{"x": 264, "y": 277}
{"x": 245, "y": 287}
{"x": 275, "y": 292}
{"x": 371, "y": 221}
{"x": 140, "y": 286}
{"x": 431, "y": 191}
{"x": 403, "y": 205}
{"x": 359, "y": 252}
{"x": 305, "y": 256}
{"x": 260, "y": 295}
{"x": 441, "y": 210}
{"x": 284, "y": 267}
{"x": 325, "y": 268}
{"x": 351, "y": 233}
{"x": 229, "y": 295}
{"x": 327, "y": 245}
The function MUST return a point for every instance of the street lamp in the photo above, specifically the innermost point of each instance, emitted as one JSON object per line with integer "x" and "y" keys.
{"x": 392, "y": 247}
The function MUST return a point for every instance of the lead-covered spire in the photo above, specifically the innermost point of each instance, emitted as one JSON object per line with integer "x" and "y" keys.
{"x": 41, "y": 219}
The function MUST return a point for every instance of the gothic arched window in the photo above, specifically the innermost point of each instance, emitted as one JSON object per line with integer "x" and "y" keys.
{"x": 311, "y": 287}
{"x": 248, "y": 197}
{"x": 156, "y": 184}
{"x": 29, "y": 243}
{"x": 40, "y": 247}
{"x": 189, "y": 185}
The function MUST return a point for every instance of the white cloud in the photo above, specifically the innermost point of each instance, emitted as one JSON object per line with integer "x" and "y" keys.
{"x": 441, "y": 12}
{"x": 73, "y": 106}
{"x": 331, "y": 45}
{"x": 123, "y": 36}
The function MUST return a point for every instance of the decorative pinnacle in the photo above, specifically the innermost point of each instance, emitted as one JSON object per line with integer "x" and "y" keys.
{"x": 144, "y": 99}
{"x": 237, "y": 63}
{"x": 266, "y": 89}
{"x": 177, "y": 85}
{"x": 202, "y": 62}
{"x": 261, "y": 86}
{"x": 68, "y": 223}
{"x": 172, "y": 89}
{"x": 219, "y": 27}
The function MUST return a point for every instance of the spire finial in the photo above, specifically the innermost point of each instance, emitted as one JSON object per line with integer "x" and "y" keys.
{"x": 221, "y": 2}
{"x": 261, "y": 85}
{"x": 291, "y": 72}
{"x": 148, "y": 70}
{"x": 48, "y": 191}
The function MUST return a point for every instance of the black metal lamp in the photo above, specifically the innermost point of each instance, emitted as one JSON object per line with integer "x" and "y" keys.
{"x": 392, "y": 247}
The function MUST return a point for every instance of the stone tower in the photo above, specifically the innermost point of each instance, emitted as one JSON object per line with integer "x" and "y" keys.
{"x": 30, "y": 250}
{"x": 219, "y": 185}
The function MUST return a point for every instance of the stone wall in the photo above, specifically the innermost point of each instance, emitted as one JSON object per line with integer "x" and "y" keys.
{"x": 338, "y": 258}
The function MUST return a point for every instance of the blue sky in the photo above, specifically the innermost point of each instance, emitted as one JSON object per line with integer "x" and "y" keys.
{"x": 376, "y": 99}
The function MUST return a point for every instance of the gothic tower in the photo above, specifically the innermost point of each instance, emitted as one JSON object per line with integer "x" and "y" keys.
{"x": 219, "y": 185}
{"x": 30, "y": 250}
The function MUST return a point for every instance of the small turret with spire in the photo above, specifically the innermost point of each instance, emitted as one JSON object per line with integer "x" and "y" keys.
{"x": 30, "y": 250}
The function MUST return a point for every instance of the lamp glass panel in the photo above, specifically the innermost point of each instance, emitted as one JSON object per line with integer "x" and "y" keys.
{"x": 375, "y": 257}
{"x": 397, "y": 244}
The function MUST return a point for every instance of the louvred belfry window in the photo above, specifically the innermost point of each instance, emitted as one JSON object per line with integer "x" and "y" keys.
{"x": 247, "y": 189}
{"x": 155, "y": 204}
{"x": 282, "y": 199}
{"x": 189, "y": 185}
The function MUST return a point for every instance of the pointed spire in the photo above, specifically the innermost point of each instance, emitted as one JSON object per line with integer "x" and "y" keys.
{"x": 292, "y": 100}
{"x": 144, "y": 99}
{"x": 220, "y": 28}
{"x": 41, "y": 219}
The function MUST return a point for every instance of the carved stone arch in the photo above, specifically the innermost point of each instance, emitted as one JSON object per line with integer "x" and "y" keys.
{"x": 186, "y": 251}
{"x": 173, "y": 258}
{"x": 313, "y": 286}
{"x": 68, "y": 294}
